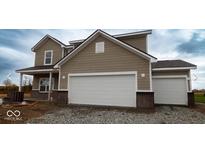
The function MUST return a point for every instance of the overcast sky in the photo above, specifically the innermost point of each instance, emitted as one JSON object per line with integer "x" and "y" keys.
{"x": 189, "y": 45}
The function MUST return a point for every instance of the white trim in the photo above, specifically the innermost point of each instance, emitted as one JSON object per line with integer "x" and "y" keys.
{"x": 174, "y": 76}
{"x": 144, "y": 91}
{"x": 47, "y": 36}
{"x": 150, "y": 75}
{"x": 91, "y": 37}
{"x": 35, "y": 89}
{"x": 30, "y": 71}
{"x": 63, "y": 52}
{"x": 170, "y": 76}
{"x": 190, "y": 82}
{"x": 134, "y": 33}
{"x": 62, "y": 89}
{"x": 69, "y": 47}
{"x": 21, "y": 80}
{"x": 172, "y": 68}
{"x": 59, "y": 78}
{"x": 118, "y": 35}
{"x": 103, "y": 73}
{"x": 46, "y": 51}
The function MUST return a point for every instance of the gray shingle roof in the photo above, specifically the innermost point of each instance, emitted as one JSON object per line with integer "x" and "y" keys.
{"x": 171, "y": 64}
{"x": 37, "y": 68}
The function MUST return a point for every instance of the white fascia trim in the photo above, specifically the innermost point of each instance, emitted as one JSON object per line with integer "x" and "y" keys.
{"x": 150, "y": 75}
{"x": 30, "y": 71}
{"x": 103, "y": 73}
{"x": 69, "y": 47}
{"x": 59, "y": 78}
{"x": 76, "y": 41}
{"x": 131, "y": 49}
{"x": 169, "y": 76}
{"x": 134, "y": 33}
{"x": 118, "y": 35}
{"x": 62, "y": 89}
{"x": 144, "y": 91}
{"x": 46, "y": 51}
{"x": 47, "y": 36}
{"x": 173, "y": 68}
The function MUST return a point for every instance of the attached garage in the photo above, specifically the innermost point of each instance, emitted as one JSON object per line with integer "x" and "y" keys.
{"x": 170, "y": 90}
{"x": 107, "y": 89}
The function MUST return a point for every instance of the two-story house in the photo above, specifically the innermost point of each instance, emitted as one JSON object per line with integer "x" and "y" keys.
{"x": 109, "y": 71}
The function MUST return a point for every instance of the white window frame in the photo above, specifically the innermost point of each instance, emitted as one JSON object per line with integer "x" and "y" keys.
{"x": 99, "y": 47}
{"x": 51, "y": 57}
{"x": 52, "y": 84}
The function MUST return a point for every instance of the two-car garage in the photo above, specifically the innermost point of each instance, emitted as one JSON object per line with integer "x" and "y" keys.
{"x": 105, "y": 89}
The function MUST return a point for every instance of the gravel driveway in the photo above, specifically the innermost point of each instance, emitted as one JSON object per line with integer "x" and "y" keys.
{"x": 89, "y": 115}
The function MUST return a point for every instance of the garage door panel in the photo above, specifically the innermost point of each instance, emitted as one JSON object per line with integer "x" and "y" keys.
{"x": 112, "y": 90}
{"x": 170, "y": 91}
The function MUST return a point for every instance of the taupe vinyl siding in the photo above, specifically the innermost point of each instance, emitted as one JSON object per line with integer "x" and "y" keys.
{"x": 48, "y": 45}
{"x": 138, "y": 42}
{"x": 114, "y": 59}
{"x": 37, "y": 77}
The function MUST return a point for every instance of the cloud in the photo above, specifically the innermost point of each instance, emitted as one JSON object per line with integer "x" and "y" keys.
{"x": 195, "y": 46}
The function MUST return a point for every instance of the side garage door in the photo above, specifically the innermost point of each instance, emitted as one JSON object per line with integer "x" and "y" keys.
{"x": 170, "y": 91}
{"x": 106, "y": 90}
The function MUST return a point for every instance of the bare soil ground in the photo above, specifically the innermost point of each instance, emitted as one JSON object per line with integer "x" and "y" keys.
{"x": 26, "y": 95}
{"x": 31, "y": 110}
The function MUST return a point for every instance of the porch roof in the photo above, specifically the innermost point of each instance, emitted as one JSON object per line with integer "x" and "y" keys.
{"x": 37, "y": 69}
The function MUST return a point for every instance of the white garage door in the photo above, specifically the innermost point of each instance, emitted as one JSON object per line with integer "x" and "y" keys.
{"x": 107, "y": 90}
{"x": 170, "y": 91}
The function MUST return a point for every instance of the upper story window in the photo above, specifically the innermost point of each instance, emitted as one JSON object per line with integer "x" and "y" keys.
{"x": 99, "y": 47}
{"x": 48, "y": 57}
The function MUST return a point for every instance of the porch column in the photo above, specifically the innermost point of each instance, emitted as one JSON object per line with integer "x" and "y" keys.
{"x": 50, "y": 82}
{"x": 21, "y": 80}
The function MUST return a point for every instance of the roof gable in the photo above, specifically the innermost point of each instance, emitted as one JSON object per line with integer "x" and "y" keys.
{"x": 109, "y": 37}
{"x": 44, "y": 39}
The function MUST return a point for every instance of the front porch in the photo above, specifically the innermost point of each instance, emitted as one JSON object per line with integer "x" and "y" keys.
{"x": 45, "y": 83}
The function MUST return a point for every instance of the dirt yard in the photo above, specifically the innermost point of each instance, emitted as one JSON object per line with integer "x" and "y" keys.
{"x": 26, "y": 95}
{"x": 25, "y": 112}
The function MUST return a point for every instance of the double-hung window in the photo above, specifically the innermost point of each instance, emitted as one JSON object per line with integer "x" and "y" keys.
{"x": 48, "y": 57}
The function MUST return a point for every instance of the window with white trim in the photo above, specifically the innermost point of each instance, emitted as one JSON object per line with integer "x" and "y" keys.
{"x": 99, "y": 47}
{"x": 48, "y": 57}
{"x": 44, "y": 84}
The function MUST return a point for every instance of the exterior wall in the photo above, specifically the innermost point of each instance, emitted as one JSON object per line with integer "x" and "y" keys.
{"x": 48, "y": 45}
{"x": 114, "y": 59}
{"x": 37, "y": 77}
{"x": 174, "y": 73}
{"x": 138, "y": 42}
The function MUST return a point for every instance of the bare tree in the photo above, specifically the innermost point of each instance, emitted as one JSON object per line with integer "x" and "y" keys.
{"x": 7, "y": 82}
